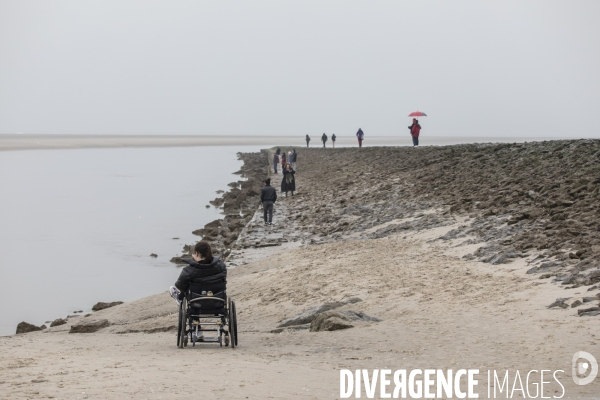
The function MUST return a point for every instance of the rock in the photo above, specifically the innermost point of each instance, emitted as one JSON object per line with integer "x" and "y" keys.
{"x": 590, "y": 314}
{"x": 44, "y": 327}
{"x": 587, "y": 310}
{"x": 101, "y": 306}
{"x": 306, "y": 316}
{"x": 87, "y": 326}
{"x": 335, "y": 320}
{"x": 178, "y": 260}
{"x": 588, "y": 299}
{"x": 153, "y": 255}
{"x": 329, "y": 322}
{"x": 560, "y": 302}
{"x": 576, "y": 303}
{"x": 592, "y": 277}
{"x": 58, "y": 322}
{"x": 25, "y": 327}
{"x": 292, "y": 328}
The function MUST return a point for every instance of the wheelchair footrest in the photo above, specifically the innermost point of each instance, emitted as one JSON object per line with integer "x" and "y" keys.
{"x": 209, "y": 340}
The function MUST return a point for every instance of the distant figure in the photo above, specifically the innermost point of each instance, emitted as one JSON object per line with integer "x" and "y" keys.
{"x": 307, "y": 140}
{"x": 324, "y": 139}
{"x": 333, "y": 140}
{"x": 268, "y": 197}
{"x": 288, "y": 183}
{"x": 360, "y": 136}
{"x": 278, "y": 152}
{"x": 294, "y": 155}
{"x": 283, "y": 160}
{"x": 275, "y": 162}
{"x": 415, "y": 128}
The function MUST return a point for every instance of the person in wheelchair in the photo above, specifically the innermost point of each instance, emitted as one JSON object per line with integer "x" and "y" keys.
{"x": 200, "y": 293}
{"x": 203, "y": 269}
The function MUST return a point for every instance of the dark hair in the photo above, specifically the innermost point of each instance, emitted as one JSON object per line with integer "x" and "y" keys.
{"x": 204, "y": 250}
{"x": 268, "y": 181}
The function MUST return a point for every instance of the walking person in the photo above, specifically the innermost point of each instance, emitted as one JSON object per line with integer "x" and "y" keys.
{"x": 333, "y": 137}
{"x": 278, "y": 152}
{"x": 294, "y": 155}
{"x": 275, "y": 162}
{"x": 360, "y": 136}
{"x": 324, "y": 139}
{"x": 283, "y": 160}
{"x": 288, "y": 183}
{"x": 415, "y": 129}
{"x": 268, "y": 197}
{"x": 307, "y": 140}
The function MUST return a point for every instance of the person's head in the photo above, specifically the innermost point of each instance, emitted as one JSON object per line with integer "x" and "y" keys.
{"x": 414, "y": 120}
{"x": 267, "y": 181}
{"x": 288, "y": 166}
{"x": 202, "y": 252}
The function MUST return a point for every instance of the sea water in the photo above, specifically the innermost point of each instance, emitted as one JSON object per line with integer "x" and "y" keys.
{"x": 78, "y": 226}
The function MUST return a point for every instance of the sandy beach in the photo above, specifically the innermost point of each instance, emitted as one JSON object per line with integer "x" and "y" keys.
{"x": 453, "y": 270}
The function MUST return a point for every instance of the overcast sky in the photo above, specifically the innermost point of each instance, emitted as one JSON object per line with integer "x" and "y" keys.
{"x": 477, "y": 68}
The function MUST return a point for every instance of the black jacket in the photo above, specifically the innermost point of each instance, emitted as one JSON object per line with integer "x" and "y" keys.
{"x": 268, "y": 193}
{"x": 324, "y": 138}
{"x": 196, "y": 272}
{"x": 285, "y": 187}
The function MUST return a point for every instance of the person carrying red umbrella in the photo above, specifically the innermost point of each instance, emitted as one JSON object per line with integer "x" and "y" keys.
{"x": 415, "y": 128}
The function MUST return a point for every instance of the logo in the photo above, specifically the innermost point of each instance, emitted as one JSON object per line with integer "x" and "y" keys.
{"x": 581, "y": 367}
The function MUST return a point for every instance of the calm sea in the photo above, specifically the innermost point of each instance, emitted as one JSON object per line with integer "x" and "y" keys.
{"x": 78, "y": 226}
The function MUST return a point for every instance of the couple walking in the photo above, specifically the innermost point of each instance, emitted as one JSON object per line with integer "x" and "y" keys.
{"x": 268, "y": 194}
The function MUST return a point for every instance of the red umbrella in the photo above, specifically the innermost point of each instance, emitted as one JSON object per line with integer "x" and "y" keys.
{"x": 417, "y": 114}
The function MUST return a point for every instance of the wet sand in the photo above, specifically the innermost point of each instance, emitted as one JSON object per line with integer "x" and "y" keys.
{"x": 51, "y": 141}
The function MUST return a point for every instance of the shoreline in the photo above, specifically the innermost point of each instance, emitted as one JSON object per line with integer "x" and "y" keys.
{"x": 17, "y": 142}
{"x": 459, "y": 249}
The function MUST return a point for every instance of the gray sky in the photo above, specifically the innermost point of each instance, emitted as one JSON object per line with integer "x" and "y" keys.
{"x": 477, "y": 68}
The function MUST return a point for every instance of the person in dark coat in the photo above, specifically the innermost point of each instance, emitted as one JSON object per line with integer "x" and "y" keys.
{"x": 275, "y": 162}
{"x": 415, "y": 129}
{"x": 268, "y": 197}
{"x": 203, "y": 267}
{"x": 307, "y": 140}
{"x": 324, "y": 139}
{"x": 360, "y": 136}
{"x": 288, "y": 183}
{"x": 278, "y": 151}
{"x": 283, "y": 160}
{"x": 294, "y": 155}
{"x": 333, "y": 137}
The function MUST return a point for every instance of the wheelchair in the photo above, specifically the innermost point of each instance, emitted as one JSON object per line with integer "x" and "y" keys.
{"x": 206, "y": 308}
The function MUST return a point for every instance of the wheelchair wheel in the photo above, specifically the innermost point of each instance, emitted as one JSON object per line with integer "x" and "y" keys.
{"x": 233, "y": 325}
{"x": 179, "y": 324}
{"x": 181, "y": 334}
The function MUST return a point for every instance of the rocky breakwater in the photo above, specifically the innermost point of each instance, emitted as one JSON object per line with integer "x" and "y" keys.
{"x": 539, "y": 200}
{"x": 237, "y": 204}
